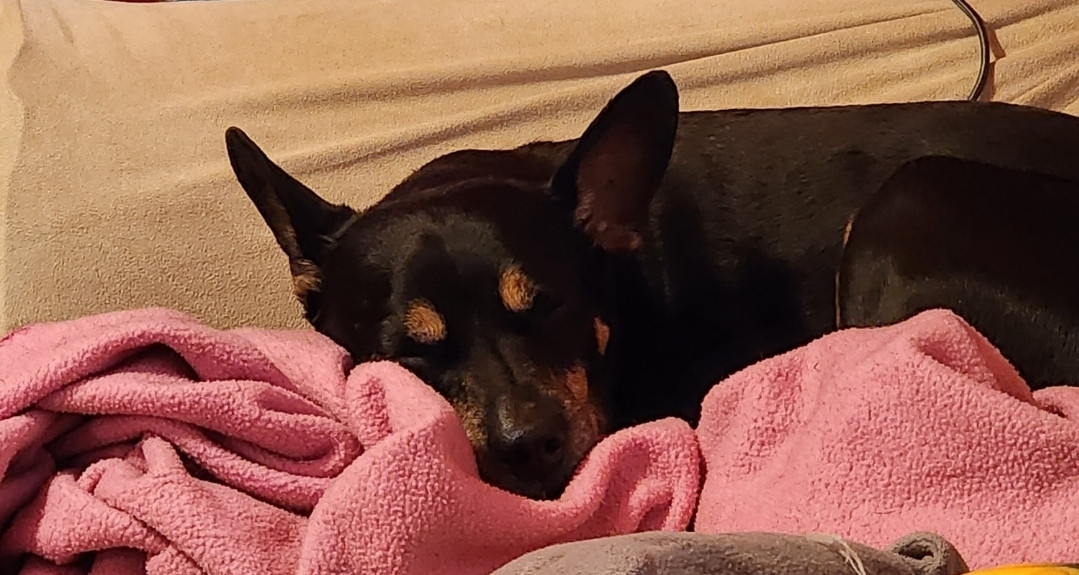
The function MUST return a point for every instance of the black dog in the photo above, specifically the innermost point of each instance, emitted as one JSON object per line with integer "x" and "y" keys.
{"x": 999, "y": 247}
{"x": 700, "y": 242}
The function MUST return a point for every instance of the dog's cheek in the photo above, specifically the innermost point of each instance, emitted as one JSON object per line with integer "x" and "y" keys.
{"x": 585, "y": 418}
{"x": 470, "y": 414}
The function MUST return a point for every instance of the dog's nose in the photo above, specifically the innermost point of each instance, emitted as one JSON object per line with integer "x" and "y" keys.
{"x": 530, "y": 438}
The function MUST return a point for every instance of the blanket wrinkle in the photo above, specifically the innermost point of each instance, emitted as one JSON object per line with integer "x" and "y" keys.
{"x": 866, "y": 433}
{"x": 873, "y": 433}
{"x": 146, "y": 442}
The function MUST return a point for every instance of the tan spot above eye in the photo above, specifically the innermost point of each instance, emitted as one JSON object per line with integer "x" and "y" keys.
{"x": 423, "y": 323}
{"x": 516, "y": 289}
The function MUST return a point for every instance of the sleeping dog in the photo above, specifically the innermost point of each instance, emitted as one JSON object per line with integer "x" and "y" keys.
{"x": 558, "y": 291}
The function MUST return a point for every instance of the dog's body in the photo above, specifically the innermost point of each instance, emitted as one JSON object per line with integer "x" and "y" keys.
{"x": 745, "y": 233}
{"x": 999, "y": 247}
{"x": 699, "y": 242}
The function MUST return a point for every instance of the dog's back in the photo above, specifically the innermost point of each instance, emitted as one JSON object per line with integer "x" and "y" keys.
{"x": 746, "y": 230}
{"x": 999, "y": 247}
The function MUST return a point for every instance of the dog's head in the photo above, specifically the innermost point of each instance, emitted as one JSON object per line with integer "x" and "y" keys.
{"x": 479, "y": 273}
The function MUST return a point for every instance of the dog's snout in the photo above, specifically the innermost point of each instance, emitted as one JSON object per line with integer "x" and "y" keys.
{"x": 529, "y": 437}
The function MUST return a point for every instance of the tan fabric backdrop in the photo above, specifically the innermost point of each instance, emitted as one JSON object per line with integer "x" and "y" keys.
{"x": 115, "y": 187}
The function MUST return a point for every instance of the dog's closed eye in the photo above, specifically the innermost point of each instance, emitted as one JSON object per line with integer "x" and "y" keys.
{"x": 426, "y": 341}
{"x": 546, "y": 305}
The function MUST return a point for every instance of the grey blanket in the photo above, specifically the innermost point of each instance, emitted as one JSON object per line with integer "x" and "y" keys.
{"x": 662, "y": 553}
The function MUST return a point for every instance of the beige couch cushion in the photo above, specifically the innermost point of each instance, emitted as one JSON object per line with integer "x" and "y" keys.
{"x": 115, "y": 187}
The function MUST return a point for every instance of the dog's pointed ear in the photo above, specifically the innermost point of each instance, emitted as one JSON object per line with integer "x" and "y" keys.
{"x": 305, "y": 225}
{"x": 609, "y": 179}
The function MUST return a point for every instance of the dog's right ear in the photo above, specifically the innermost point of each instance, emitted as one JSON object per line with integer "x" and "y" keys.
{"x": 305, "y": 225}
{"x": 610, "y": 177}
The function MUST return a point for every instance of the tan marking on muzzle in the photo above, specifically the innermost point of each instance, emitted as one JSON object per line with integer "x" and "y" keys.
{"x": 471, "y": 416}
{"x": 577, "y": 384}
{"x": 516, "y": 289}
{"x": 423, "y": 323}
{"x": 603, "y": 335}
{"x": 586, "y": 420}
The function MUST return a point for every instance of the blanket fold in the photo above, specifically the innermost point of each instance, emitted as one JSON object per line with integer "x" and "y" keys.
{"x": 144, "y": 441}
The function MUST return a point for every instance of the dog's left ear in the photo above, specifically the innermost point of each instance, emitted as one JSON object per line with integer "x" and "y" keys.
{"x": 305, "y": 225}
{"x": 611, "y": 176}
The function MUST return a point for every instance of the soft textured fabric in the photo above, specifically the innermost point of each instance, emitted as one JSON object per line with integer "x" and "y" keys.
{"x": 115, "y": 191}
{"x": 740, "y": 554}
{"x": 874, "y": 433}
{"x": 152, "y": 443}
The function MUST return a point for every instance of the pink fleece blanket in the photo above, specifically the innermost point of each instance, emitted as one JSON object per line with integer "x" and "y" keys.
{"x": 144, "y": 442}
{"x": 876, "y": 433}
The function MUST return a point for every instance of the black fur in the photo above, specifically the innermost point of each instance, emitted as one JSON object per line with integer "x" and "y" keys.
{"x": 999, "y": 247}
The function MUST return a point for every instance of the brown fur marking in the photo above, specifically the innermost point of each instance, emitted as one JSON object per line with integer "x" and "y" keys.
{"x": 516, "y": 289}
{"x": 471, "y": 416}
{"x": 846, "y": 239}
{"x": 603, "y": 335}
{"x": 846, "y": 231}
{"x": 586, "y": 421}
{"x": 423, "y": 323}
{"x": 306, "y": 278}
